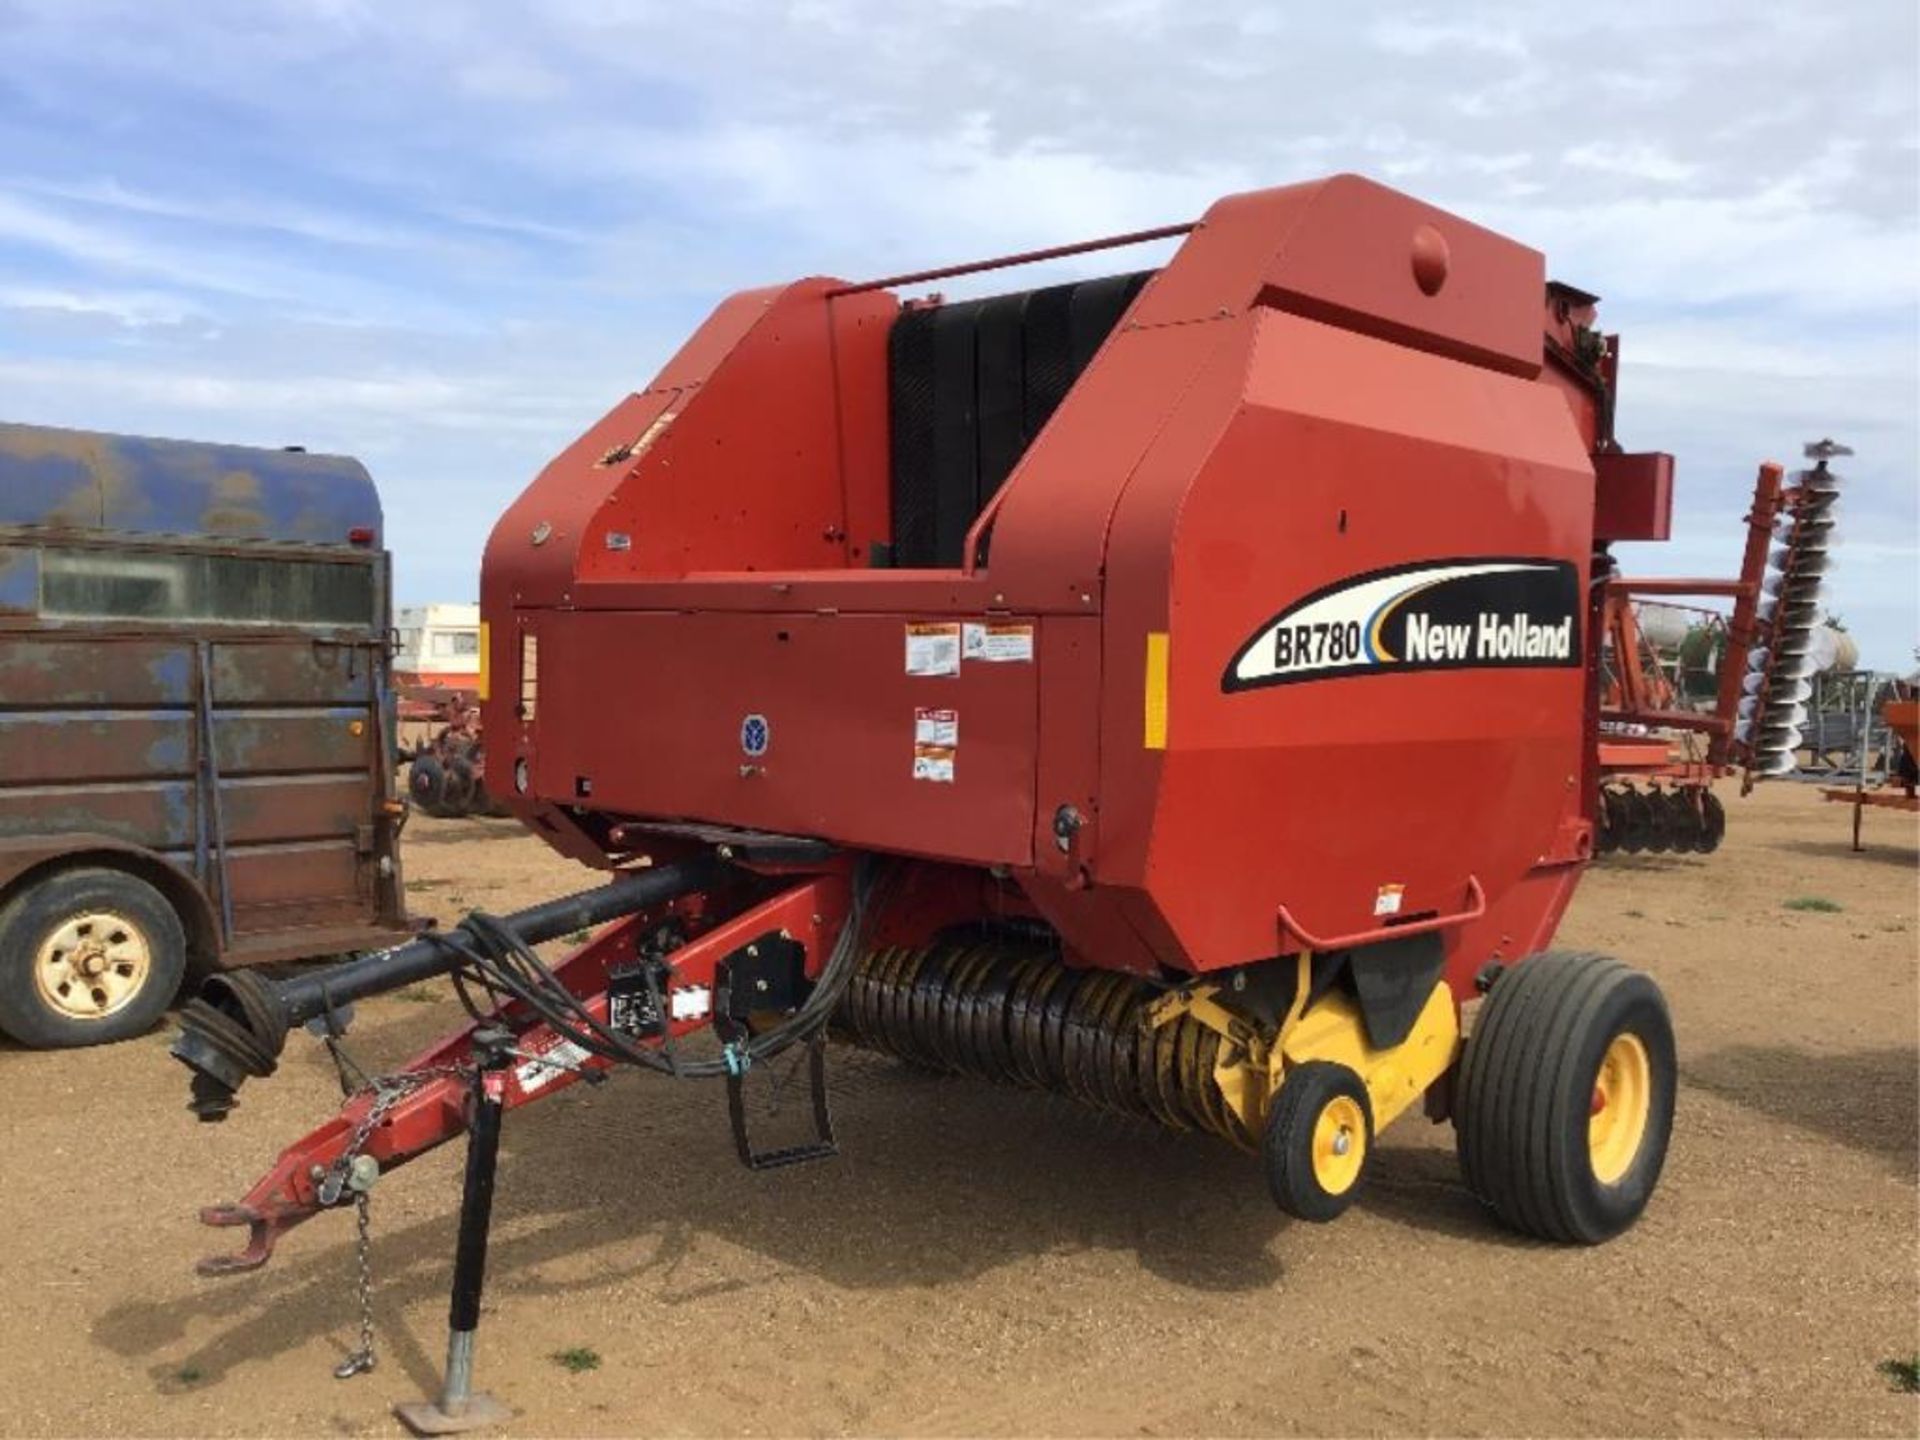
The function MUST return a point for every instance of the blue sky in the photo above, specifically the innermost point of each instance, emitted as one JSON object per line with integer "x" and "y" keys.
{"x": 444, "y": 237}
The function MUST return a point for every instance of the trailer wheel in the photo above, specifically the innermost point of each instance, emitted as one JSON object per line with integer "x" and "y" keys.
{"x": 86, "y": 957}
{"x": 426, "y": 783}
{"x": 1566, "y": 1092}
{"x": 1318, "y": 1141}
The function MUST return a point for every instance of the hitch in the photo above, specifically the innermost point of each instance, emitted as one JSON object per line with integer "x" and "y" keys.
{"x": 434, "y": 1110}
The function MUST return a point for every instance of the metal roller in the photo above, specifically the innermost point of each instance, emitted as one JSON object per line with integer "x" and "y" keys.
{"x": 1012, "y": 1013}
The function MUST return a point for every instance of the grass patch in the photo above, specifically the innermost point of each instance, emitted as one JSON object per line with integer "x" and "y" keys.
{"x": 1818, "y": 904}
{"x": 579, "y": 937}
{"x": 418, "y": 994}
{"x": 1902, "y": 1375}
{"x": 576, "y": 1359}
{"x": 1634, "y": 914}
{"x": 193, "y": 1374}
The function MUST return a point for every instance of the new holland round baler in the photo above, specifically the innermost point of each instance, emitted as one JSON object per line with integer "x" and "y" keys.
{"x": 1176, "y": 689}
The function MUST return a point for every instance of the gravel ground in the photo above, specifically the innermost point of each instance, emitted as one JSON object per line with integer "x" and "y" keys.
{"x": 988, "y": 1262}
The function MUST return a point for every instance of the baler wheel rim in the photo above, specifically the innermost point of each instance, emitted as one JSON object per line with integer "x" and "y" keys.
{"x": 1320, "y": 1107}
{"x": 1622, "y": 1102}
{"x": 1339, "y": 1144}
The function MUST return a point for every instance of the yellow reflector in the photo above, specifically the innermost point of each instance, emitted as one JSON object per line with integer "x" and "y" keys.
{"x": 1156, "y": 738}
{"x": 486, "y": 662}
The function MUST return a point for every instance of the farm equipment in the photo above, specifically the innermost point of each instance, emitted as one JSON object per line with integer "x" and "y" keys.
{"x": 1770, "y": 648}
{"x": 1179, "y": 690}
{"x": 447, "y": 768}
{"x": 437, "y": 677}
{"x": 1900, "y": 790}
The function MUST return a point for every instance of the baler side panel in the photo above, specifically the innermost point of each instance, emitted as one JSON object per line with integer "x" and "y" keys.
{"x": 747, "y": 476}
{"x": 649, "y": 714}
{"x": 536, "y": 544}
{"x": 1093, "y": 929}
{"x": 1317, "y": 794}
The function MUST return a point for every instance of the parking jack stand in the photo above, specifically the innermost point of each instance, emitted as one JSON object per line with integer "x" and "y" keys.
{"x": 458, "y": 1408}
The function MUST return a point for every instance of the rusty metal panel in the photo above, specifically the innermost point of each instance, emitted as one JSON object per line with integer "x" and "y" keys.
{"x": 292, "y": 807}
{"x": 294, "y": 672}
{"x": 78, "y": 671}
{"x": 39, "y": 747}
{"x": 287, "y": 740}
{"x": 285, "y": 887}
{"x": 158, "y": 814}
{"x": 85, "y": 480}
{"x": 284, "y": 874}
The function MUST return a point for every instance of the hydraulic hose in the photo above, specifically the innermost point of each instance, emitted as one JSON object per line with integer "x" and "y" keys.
{"x": 237, "y": 1026}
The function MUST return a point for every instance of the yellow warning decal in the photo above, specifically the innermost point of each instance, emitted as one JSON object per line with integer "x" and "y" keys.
{"x": 1156, "y": 708}
{"x": 482, "y": 681}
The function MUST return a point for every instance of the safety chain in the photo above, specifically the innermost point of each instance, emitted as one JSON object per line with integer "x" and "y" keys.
{"x": 355, "y": 1172}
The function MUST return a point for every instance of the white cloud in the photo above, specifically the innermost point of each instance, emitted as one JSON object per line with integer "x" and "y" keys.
{"x": 1636, "y": 162}
{"x": 136, "y": 309}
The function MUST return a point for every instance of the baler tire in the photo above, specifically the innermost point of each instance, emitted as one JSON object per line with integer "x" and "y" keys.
{"x": 48, "y": 1006}
{"x": 1313, "y": 1101}
{"x": 1555, "y": 1037}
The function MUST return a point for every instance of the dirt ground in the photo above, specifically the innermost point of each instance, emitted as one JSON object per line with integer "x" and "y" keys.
{"x": 981, "y": 1261}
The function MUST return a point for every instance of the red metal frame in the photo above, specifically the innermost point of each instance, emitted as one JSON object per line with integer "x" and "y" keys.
{"x": 1007, "y": 262}
{"x": 1292, "y": 936}
{"x": 434, "y": 1112}
{"x": 1634, "y": 700}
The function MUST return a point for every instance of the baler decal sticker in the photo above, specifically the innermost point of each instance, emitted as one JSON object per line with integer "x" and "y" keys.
{"x": 1493, "y": 613}
{"x": 933, "y": 649}
{"x": 936, "y": 744}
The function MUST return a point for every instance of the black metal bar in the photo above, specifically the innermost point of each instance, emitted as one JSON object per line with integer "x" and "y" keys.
{"x": 306, "y": 996}
{"x": 476, "y": 1196}
{"x": 822, "y": 1147}
{"x": 458, "y": 1408}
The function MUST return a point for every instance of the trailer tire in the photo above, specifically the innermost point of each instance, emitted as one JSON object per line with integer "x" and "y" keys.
{"x": 1318, "y": 1141}
{"x": 1566, "y": 1092}
{"x": 87, "y": 956}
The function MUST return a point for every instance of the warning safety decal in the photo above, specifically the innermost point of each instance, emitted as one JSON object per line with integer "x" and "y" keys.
{"x": 933, "y": 649}
{"x": 1437, "y": 615}
{"x": 936, "y": 743}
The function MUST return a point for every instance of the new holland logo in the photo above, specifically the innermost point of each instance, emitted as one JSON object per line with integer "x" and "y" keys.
{"x": 1437, "y": 615}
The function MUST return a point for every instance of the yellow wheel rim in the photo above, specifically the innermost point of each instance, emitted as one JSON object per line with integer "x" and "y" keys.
{"x": 1339, "y": 1144}
{"x": 1622, "y": 1100}
{"x": 92, "y": 965}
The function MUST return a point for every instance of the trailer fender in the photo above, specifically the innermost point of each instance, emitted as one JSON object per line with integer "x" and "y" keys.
{"x": 25, "y": 861}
